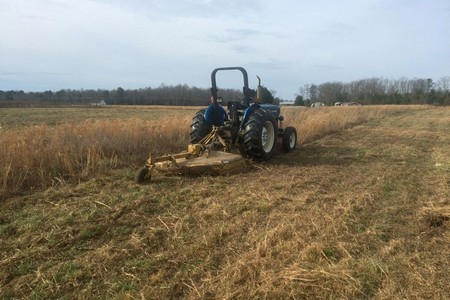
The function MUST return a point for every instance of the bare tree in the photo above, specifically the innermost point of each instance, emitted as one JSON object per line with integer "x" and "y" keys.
{"x": 443, "y": 84}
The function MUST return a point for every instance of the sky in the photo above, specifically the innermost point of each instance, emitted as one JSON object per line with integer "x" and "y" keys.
{"x": 105, "y": 44}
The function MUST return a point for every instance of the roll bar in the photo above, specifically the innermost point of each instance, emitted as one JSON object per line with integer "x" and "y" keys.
{"x": 248, "y": 93}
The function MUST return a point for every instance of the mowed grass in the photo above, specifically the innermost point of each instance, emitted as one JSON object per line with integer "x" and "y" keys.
{"x": 359, "y": 211}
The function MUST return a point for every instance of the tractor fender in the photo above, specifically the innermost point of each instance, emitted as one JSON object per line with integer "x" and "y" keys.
{"x": 248, "y": 112}
{"x": 274, "y": 109}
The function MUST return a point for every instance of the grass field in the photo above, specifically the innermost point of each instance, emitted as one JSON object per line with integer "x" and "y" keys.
{"x": 359, "y": 211}
{"x": 44, "y": 146}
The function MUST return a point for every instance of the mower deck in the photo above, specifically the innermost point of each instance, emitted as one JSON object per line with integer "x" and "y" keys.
{"x": 189, "y": 163}
{"x": 212, "y": 163}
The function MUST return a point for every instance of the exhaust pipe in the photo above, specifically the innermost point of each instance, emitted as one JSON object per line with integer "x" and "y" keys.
{"x": 259, "y": 90}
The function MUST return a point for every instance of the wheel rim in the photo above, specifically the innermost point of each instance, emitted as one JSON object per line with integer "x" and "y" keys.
{"x": 292, "y": 140}
{"x": 267, "y": 136}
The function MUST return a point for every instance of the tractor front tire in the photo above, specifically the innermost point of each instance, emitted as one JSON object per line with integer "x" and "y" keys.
{"x": 258, "y": 138}
{"x": 199, "y": 127}
{"x": 289, "y": 140}
{"x": 142, "y": 175}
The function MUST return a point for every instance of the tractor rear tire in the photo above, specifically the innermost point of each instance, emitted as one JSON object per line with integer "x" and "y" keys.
{"x": 142, "y": 175}
{"x": 289, "y": 140}
{"x": 199, "y": 127}
{"x": 258, "y": 138}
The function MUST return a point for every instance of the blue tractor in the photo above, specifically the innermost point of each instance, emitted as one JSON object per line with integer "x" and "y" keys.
{"x": 247, "y": 125}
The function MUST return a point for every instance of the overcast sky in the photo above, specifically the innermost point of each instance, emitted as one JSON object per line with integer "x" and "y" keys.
{"x": 90, "y": 44}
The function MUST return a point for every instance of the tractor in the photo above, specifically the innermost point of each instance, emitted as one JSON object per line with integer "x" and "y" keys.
{"x": 246, "y": 127}
{"x": 252, "y": 127}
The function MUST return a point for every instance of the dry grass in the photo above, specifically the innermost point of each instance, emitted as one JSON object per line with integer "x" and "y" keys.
{"x": 42, "y": 147}
{"x": 358, "y": 214}
{"x": 315, "y": 123}
{"x": 41, "y": 155}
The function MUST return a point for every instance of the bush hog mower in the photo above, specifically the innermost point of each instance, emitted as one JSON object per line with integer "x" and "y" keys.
{"x": 224, "y": 141}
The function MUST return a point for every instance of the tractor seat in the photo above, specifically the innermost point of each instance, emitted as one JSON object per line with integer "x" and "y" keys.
{"x": 238, "y": 105}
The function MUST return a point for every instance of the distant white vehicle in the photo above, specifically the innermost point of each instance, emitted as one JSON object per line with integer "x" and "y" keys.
{"x": 347, "y": 104}
{"x": 101, "y": 103}
{"x": 317, "y": 104}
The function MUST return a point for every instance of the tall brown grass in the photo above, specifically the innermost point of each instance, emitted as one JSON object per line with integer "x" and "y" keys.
{"x": 39, "y": 156}
{"x": 36, "y": 157}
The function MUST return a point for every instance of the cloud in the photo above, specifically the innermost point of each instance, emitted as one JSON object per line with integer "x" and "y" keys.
{"x": 108, "y": 43}
{"x": 328, "y": 67}
{"x": 213, "y": 9}
{"x": 232, "y": 35}
{"x": 272, "y": 64}
{"x": 243, "y": 49}
{"x": 31, "y": 73}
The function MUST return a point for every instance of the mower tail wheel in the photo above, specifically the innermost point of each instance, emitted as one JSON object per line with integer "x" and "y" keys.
{"x": 142, "y": 175}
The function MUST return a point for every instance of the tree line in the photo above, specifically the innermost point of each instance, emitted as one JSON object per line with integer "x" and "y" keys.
{"x": 162, "y": 95}
{"x": 378, "y": 91}
{"x": 365, "y": 91}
